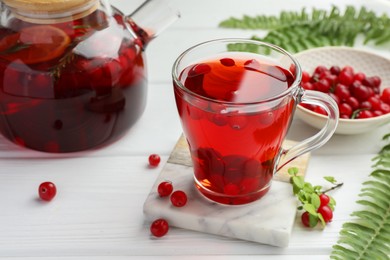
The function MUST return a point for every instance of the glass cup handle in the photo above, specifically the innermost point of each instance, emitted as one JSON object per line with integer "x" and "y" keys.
{"x": 326, "y": 102}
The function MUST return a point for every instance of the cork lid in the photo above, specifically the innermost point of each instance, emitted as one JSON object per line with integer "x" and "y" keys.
{"x": 51, "y": 11}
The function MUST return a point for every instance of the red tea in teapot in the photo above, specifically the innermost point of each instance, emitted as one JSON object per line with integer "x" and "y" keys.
{"x": 234, "y": 147}
{"x": 70, "y": 86}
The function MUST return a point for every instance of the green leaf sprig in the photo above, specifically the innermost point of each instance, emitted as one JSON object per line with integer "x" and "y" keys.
{"x": 297, "y": 31}
{"x": 368, "y": 235}
{"x": 309, "y": 195}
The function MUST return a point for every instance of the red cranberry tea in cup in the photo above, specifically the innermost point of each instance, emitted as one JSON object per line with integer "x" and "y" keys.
{"x": 235, "y": 110}
{"x": 242, "y": 141}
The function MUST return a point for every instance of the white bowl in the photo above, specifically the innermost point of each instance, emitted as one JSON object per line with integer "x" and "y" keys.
{"x": 361, "y": 61}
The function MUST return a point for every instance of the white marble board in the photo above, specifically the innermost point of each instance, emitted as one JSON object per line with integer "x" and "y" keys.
{"x": 267, "y": 221}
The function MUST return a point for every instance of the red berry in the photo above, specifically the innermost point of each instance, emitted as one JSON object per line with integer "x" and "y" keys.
{"x": 199, "y": 69}
{"x": 320, "y": 69}
{"x": 179, "y": 198}
{"x": 371, "y": 92}
{"x": 231, "y": 189}
{"x": 332, "y": 79}
{"x": 335, "y": 70}
{"x": 365, "y": 105}
{"x": 326, "y": 213}
{"x": 385, "y": 97}
{"x": 342, "y": 92}
{"x": 335, "y": 98}
{"x": 325, "y": 74}
{"x": 348, "y": 69}
{"x": 159, "y": 227}
{"x": 345, "y": 77}
{"x": 308, "y": 86}
{"x": 345, "y": 109}
{"x": 154, "y": 160}
{"x": 307, "y": 106}
{"x": 375, "y": 102}
{"x": 324, "y": 199}
{"x": 360, "y": 76}
{"x": 385, "y": 108}
{"x": 353, "y": 102}
{"x": 314, "y": 78}
{"x": 371, "y": 82}
{"x": 305, "y": 77}
{"x": 361, "y": 92}
{"x": 322, "y": 85}
{"x": 355, "y": 84}
{"x": 165, "y": 189}
{"x": 364, "y": 114}
{"x": 227, "y": 62}
{"x": 47, "y": 191}
{"x": 320, "y": 110}
{"x": 376, "y": 81}
{"x": 376, "y": 90}
{"x": 377, "y": 113}
{"x": 305, "y": 218}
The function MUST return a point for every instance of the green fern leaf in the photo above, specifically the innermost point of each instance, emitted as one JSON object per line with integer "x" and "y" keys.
{"x": 344, "y": 253}
{"x": 382, "y": 175}
{"x": 365, "y": 214}
{"x": 297, "y": 31}
{"x": 378, "y": 185}
{"x": 368, "y": 237}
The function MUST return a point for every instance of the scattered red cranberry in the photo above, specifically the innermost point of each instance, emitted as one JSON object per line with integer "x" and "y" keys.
{"x": 159, "y": 227}
{"x": 326, "y": 213}
{"x": 324, "y": 199}
{"x": 179, "y": 198}
{"x": 357, "y": 95}
{"x": 154, "y": 160}
{"x": 47, "y": 191}
{"x": 165, "y": 188}
{"x": 305, "y": 218}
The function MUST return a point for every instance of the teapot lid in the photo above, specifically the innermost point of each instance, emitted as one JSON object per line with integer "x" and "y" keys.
{"x": 51, "y": 11}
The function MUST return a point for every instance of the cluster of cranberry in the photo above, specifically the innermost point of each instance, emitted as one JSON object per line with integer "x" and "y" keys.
{"x": 357, "y": 95}
{"x": 325, "y": 209}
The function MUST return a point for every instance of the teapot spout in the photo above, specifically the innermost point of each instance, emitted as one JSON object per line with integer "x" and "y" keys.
{"x": 151, "y": 18}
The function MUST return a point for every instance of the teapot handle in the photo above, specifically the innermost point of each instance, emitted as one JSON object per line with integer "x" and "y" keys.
{"x": 153, "y": 17}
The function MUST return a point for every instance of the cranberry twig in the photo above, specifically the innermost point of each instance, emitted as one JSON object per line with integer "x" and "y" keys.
{"x": 334, "y": 187}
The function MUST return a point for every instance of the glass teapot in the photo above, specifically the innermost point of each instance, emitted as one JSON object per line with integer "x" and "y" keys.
{"x": 72, "y": 72}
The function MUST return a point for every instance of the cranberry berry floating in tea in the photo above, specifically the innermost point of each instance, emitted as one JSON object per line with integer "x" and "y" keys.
{"x": 72, "y": 73}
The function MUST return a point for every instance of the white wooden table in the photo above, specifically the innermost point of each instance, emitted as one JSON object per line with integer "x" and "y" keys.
{"x": 97, "y": 213}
